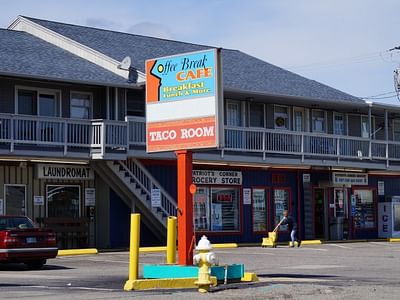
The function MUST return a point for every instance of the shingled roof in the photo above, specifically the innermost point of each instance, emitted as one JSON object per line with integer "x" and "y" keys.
{"x": 241, "y": 72}
{"x": 24, "y": 55}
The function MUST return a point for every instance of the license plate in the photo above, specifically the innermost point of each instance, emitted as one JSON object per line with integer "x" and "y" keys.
{"x": 31, "y": 240}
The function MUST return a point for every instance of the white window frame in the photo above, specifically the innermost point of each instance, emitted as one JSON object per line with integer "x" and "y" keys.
{"x": 64, "y": 185}
{"x": 5, "y": 198}
{"x": 282, "y": 115}
{"x": 303, "y": 112}
{"x": 57, "y": 96}
{"x": 325, "y": 119}
{"x": 90, "y": 101}
{"x": 344, "y": 123}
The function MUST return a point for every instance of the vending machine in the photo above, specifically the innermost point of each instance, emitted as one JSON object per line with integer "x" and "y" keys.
{"x": 389, "y": 218}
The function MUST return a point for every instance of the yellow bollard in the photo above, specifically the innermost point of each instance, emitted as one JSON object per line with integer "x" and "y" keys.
{"x": 171, "y": 240}
{"x": 133, "y": 252}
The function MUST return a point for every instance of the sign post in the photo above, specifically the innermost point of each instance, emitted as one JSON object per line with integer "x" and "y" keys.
{"x": 185, "y": 208}
{"x": 184, "y": 112}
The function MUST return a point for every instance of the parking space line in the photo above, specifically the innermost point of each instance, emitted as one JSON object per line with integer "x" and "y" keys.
{"x": 244, "y": 253}
{"x": 340, "y": 246}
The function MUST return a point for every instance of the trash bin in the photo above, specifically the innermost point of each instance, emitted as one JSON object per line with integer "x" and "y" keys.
{"x": 336, "y": 228}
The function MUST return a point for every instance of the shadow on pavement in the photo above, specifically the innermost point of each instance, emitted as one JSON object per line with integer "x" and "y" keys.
{"x": 23, "y": 267}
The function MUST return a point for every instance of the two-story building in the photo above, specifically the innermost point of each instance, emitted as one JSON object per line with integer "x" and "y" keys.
{"x": 72, "y": 144}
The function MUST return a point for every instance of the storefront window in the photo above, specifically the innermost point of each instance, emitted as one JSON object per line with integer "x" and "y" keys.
{"x": 259, "y": 210}
{"x": 63, "y": 201}
{"x": 364, "y": 215}
{"x": 201, "y": 212}
{"x": 281, "y": 200}
{"x": 15, "y": 196}
{"x": 221, "y": 213}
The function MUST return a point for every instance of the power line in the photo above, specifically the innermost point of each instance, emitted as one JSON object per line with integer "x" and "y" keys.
{"x": 378, "y": 95}
{"x": 359, "y": 59}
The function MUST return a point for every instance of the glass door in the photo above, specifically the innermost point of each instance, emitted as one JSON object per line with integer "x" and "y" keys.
{"x": 319, "y": 213}
{"x": 338, "y": 221}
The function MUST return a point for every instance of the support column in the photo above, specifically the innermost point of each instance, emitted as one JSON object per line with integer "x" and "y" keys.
{"x": 185, "y": 208}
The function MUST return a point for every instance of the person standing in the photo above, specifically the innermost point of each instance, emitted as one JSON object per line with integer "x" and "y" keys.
{"x": 292, "y": 226}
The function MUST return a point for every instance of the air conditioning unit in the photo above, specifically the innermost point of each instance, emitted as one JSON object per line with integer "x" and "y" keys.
{"x": 281, "y": 121}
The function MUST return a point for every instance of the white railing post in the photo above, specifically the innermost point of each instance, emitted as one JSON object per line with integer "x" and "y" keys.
{"x": 65, "y": 137}
{"x": 338, "y": 148}
{"x": 102, "y": 138}
{"x": 263, "y": 145}
{"x": 302, "y": 147}
{"x": 12, "y": 133}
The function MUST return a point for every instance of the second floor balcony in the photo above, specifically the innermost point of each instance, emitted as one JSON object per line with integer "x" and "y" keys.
{"x": 33, "y": 136}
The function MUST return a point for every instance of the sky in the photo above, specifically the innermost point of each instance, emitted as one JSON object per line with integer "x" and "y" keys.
{"x": 342, "y": 43}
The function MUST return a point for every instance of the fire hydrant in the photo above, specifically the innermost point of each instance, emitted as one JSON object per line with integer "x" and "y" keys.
{"x": 204, "y": 259}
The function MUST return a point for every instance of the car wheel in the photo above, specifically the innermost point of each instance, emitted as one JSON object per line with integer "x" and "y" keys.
{"x": 35, "y": 264}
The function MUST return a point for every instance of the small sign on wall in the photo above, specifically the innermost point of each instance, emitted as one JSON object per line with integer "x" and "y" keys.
{"x": 246, "y": 196}
{"x": 155, "y": 198}
{"x": 306, "y": 178}
{"x": 90, "y": 197}
{"x": 38, "y": 200}
{"x": 381, "y": 188}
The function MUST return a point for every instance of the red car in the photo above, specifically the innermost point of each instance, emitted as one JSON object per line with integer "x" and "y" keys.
{"x": 21, "y": 242}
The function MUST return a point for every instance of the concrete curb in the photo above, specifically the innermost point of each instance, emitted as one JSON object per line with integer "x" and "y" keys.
{"x": 77, "y": 252}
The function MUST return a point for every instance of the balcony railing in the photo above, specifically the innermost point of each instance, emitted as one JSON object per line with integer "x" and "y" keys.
{"x": 99, "y": 138}
{"x": 94, "y": 137}
{"x": 305, "y": 144}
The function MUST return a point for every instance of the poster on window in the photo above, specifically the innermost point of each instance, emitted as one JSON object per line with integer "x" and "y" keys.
{"x": 216, "y": 217}
{"x": 281, "y": 203}
{"x": 246, "y": 196}
{"x": 201, "y": 209}
{"x": 90, "y": 197}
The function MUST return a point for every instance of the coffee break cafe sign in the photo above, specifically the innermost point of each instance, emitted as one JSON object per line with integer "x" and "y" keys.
{"x": 183, "y": 102}
{"x": 217, "y": 177}
{"x": 53, "y": 171}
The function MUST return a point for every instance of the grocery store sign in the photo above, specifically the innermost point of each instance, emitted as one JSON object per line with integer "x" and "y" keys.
{"x": 339, "y": 178}
{"x": 217, "y": 177}
{"x": 184, "y": 102}
{"x": 54, "y": 171}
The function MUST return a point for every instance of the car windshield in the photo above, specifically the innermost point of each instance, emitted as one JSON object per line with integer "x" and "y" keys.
{"x": 15, "y": 223}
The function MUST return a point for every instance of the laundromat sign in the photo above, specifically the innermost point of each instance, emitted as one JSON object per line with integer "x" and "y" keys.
{"x": 340, "y": 178}
{"x": 50, "y": 171}
{"x": 217, "y": 177}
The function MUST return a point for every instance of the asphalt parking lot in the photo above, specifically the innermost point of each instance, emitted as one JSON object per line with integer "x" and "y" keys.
{"x": 328, "y": 271}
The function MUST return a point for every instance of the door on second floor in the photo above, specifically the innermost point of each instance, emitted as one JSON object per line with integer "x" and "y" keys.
{"x": 298, "y": 119}
{"x": 233, "y": 113}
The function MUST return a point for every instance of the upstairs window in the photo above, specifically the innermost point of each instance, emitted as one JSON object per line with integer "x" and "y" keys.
{"x": 81, "y": 105}
{"x": 338, "y": 124}
{"x": 318, "y": 121}
{"x": 38, "y": 102}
